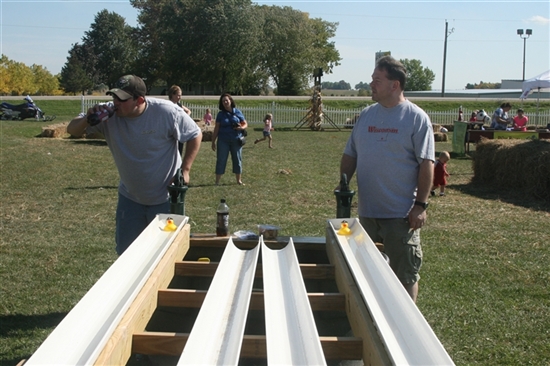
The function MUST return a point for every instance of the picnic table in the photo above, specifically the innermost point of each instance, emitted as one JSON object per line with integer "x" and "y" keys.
{"x": 465, "y": 133}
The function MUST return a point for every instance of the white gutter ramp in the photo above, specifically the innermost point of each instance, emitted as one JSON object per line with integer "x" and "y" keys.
{"x": 291, "y": 334}
{"x": 408, "y": 337}
{"x": 82, "y": 334}
{"x": 217, "y": 334}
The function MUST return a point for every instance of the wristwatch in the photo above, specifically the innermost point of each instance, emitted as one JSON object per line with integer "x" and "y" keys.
{"x": 424, "y": 205}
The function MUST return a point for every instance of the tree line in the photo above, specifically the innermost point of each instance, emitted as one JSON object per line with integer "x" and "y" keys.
{"x": 214, "y": 46}
{"x": 418, "y": 78}
{"x": 16, "y": 78}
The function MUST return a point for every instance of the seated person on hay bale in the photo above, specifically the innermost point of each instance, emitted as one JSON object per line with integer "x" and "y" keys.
{"x": 500, "y": 119}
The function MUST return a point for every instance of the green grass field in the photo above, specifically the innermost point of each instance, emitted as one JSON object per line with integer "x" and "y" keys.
{"x": 484, "y": 286}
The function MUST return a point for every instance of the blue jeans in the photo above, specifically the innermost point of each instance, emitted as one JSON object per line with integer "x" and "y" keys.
{"x": 223, "y": 149}
{"x": 132, "y": 218}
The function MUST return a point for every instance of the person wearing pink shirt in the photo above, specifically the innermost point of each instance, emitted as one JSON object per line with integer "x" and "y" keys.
{"x": 207, "y": 117}
{"x": 520, "y": 121}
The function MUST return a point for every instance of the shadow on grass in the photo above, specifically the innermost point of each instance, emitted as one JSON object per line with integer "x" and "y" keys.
{"x": 512, "y": 197}
{"x": 15, "y": 325}
{"x": 90, "y": 188}
{"x": 89, "y": 142}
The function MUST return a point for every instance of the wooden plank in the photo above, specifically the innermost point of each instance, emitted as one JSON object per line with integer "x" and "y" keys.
{"x": 205, "y": 269}
{"x": 117, "y": 351}
{"x": 374, "y": 351}
{"x": 194, "y": 299}
{"x": 254, "y": 346}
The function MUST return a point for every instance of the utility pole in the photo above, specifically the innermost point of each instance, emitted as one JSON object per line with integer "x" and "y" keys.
{"x": 447, "y": 34}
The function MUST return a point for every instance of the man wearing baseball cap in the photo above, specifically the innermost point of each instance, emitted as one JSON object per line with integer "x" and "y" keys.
{"x": 142, "y": 134}
{"x": 128, "y": 86}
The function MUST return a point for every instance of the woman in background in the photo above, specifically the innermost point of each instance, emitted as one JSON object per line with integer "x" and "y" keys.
{"x": 228, "y": 132}
{"x": 174, "y": 94}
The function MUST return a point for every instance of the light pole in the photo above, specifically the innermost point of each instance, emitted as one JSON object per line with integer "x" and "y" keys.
{"x": 528, "y": 33}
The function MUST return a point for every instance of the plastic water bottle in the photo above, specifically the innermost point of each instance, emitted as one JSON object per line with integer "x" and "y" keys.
{"x": 222, "y": 225}
{"x": 102, "y": 115}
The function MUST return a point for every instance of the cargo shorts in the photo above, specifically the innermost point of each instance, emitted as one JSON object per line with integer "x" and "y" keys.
{"x": 401, "y": 246}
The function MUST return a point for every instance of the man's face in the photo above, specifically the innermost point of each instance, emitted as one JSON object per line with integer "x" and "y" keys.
{"x": 382, "y": 87}
{"x": 125, "y": 108}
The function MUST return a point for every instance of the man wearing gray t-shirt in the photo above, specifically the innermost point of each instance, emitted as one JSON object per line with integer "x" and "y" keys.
{"x": 392, "y": 149}
{"x": 143, "y": 135}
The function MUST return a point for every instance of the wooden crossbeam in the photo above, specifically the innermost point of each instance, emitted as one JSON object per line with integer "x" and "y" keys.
{"x": 205, "y": 269}
{"x": 300, "y": 243}
{"x": 195, "y": 298}
{"x": 254, "y": 346}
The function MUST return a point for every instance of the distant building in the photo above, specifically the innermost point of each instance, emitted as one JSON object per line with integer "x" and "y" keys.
{"x": 511, "y": 84}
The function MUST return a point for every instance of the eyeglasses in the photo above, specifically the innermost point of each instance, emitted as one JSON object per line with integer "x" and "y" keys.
{"x": 120, "y": 100}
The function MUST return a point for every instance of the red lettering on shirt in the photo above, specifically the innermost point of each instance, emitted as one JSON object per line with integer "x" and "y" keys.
{"x": 374, "y": 129}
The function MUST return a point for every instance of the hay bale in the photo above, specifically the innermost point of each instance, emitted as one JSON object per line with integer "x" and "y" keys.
{"x": 206, "y": 135}
{"x": 436, "y": 127}
{"x": 55, "y": 131}
{"x": 440, "y": 136}
{"x": 520, "y": 165}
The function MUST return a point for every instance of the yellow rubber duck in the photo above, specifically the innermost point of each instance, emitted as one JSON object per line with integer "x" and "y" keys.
{"x": 170, "y": 226}
{"x": 344, "y": 229}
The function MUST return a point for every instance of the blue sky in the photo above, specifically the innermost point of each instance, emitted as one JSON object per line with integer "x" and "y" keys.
{"x": 482, "y": 44}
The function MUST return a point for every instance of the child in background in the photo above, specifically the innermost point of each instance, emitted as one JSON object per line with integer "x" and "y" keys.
{"x": 267, "y": 130}
{"x": 440, "y": 173}
{"x": 207, "y": 117}
{"x": 520, "y": 121}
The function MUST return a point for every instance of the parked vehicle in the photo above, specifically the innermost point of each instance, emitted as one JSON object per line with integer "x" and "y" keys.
{"x": 22, "y": 111}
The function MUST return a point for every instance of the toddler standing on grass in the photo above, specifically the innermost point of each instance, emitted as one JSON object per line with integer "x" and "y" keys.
{"x": 440, "y": 173}
{"x": 207, "y": 117}
{"x": 267, "y": 130}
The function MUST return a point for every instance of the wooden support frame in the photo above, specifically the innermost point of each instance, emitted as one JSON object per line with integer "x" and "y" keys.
{"x": 254, "y": 346}
{"x": 374, "y": 351}
{"x": 119, "y": 347}
{"x": 362, "y": 342}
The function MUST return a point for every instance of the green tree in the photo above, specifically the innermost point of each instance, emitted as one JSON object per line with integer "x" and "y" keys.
{"x": 483, "y": 85}
{"x": 196, "y": 42}
{"x": 151, "y": 50}
{"x": 111, "y": 49}
{"x": 295, "y": 46}
{"x": 232, "y": 45}
{"x": 418, "y": 78}
{"x": 74, "y": 78}
{"x": 340, "y": 85}
{"x": 362, "y": 85}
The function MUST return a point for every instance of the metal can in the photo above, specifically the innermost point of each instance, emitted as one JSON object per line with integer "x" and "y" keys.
{"x": 102, "y": 115}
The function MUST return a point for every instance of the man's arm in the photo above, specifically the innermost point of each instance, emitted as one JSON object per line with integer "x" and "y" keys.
{"x": 348, "y": 165}
{"x": 191, "y": 150}
{"x": 77, "y": 126}
{"x": 425, "y": 180}
{"x": 417, "y": 215}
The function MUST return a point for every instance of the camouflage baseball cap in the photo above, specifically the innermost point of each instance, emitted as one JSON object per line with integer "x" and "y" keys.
{"x": 128, "y": 86}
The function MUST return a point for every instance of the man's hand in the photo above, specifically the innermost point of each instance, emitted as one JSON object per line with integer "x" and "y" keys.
{"x": 417, "y": 217}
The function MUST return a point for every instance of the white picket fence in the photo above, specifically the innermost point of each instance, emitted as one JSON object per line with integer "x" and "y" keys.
{"x": 284, "y": 116}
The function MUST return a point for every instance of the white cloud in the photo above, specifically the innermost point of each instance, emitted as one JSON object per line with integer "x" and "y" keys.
{"x": 539, "y": 19}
